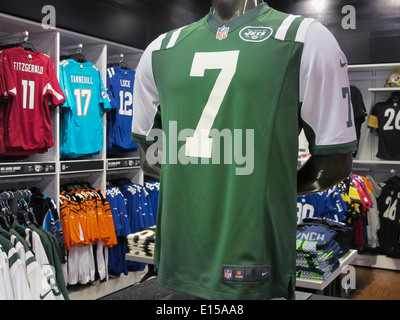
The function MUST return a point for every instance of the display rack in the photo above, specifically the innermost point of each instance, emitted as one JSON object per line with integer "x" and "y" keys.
{"x": 371, "y": 79}
{"x": 46, "y": 171}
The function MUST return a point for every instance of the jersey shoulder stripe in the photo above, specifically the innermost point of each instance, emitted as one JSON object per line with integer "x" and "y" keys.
{"x": 111, "y": 72}
{"x": 293, "y": 28}
{"x": 303, "y": 29}
{"x": 173, "y": 37}
{"x": 284, "y": 27}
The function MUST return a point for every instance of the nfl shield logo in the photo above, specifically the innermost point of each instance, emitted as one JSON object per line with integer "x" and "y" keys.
{"x": 222, "y": 32}
{"x": 227, "y": 274}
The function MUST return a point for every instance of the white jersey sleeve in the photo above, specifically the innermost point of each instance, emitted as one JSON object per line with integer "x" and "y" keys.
{"x": 18, "y": 276}
{"x": 6, "y": 290}
{"x": 326, "y": 111}
{"x": 145, "y": 93}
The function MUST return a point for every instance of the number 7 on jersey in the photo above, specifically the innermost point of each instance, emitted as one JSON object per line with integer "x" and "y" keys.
{"x": 200, "y": 145}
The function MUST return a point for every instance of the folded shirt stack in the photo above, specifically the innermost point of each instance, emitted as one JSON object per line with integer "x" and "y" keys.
{"x": 141, "y": 243}
{"x": 317, "y": 252}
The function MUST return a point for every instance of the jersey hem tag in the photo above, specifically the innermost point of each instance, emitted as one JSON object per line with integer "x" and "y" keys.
{"x": 245, "y": 274}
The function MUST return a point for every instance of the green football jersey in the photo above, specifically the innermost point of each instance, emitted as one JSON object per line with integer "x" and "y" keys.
{"x": 231, "y": 100}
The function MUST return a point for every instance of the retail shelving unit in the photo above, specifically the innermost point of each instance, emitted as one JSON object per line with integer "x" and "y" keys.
{"x": 47, "y": 171}
{"x": 371, "y": 79}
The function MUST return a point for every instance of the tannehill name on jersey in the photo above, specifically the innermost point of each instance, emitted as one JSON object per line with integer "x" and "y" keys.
{"x": 27, "y": 67}
{"x": 81, "y": 79}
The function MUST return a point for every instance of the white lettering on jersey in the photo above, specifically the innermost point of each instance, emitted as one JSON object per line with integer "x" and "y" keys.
{"x": 311, "y": 236}
{"x": 125, "y": 83}
{"x": 27, "y": 67}
{"x": 81, "y": 79}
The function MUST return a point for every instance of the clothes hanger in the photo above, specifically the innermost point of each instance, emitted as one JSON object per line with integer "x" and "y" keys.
{"x": 4, "y": 218}
{"x": 395, "y": 97}
{"x": 118, "y": 61}
{"x": 28, "y": 46}
{"x": 22, "y": 215}
{"x": 74, "y": 52}
{"x": 78, "y": 57}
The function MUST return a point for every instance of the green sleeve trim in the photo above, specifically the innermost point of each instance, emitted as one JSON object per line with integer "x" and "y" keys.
{"x": 334, "y": 149}
{"x": 142, "y": 139}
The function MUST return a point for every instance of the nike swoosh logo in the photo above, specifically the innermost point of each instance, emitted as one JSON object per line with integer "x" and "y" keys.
{"x": 342, "y": 65}
{"x": 42, "y": 296}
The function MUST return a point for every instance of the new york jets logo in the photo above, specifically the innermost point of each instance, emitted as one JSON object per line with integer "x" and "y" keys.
{"x": 255, "y": 34}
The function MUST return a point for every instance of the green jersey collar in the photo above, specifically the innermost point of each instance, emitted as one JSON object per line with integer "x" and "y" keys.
{"x": 215, "y": 23}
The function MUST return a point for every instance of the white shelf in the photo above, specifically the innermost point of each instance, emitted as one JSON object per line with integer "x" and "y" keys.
{"x": 377, "y": 162}
{"x": 385, "y": 89}
{"x": 376, "y": 66}
{"x": 101, "y": 289}
{"x": 322, "y": 284}
{"x": 134, "y": 257}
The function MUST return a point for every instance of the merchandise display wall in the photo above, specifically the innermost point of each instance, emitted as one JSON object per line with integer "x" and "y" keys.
{"x": 47, "y": 171}
{"x": 370, "y": 79}
{"x": 53, "y": 172}
{"x": 55, "y": 43}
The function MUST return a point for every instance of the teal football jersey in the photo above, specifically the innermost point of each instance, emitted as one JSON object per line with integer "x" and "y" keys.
{"x": 82, "y": 113}
{"x": 231, "y": 100}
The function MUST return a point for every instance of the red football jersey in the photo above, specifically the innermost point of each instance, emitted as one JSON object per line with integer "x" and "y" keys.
{"x": 30, "y": 84}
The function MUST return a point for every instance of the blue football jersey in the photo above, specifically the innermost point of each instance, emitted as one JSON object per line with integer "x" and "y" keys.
{"x": 326, "y": 204}
{"x": 310, "y": 206}
{"x": 322, "y": 236}
{"x": 82, "y": 130}
{"x": 336, "y": 205}
{"x": 120, "y": 84}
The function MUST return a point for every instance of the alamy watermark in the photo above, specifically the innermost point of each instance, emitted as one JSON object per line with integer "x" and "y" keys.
{"x": 204, "y": 147}
{"x": 49, "y": 20}
{"x": 348, "y": 278}
{"x": 349, "y": 20}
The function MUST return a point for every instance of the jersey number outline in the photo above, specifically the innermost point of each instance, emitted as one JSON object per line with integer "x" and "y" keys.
{"x": 305, "y": 210}
{"x": 346, "y": 95}
{"x": 28, "y": 95}
{"x": 79, "y": 94}
{"x": 390, "y": 212}
{"x": 125, "y": 101}
{"x": 390, "y": 113}
{"x": 200, "y": 145}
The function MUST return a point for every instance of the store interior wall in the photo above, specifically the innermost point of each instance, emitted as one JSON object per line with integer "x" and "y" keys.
{"x": 375, "y": 38}
{"x": 131, "y": 22}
